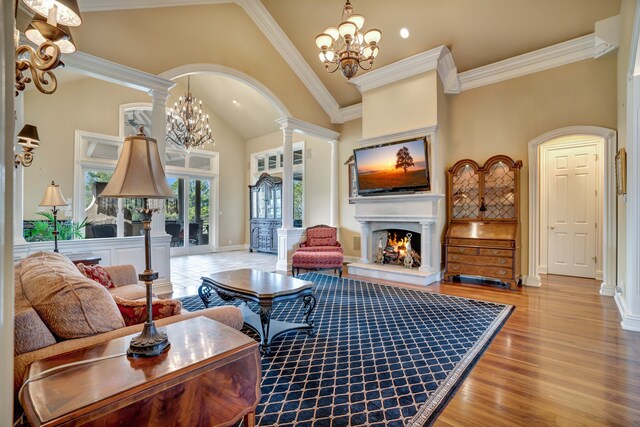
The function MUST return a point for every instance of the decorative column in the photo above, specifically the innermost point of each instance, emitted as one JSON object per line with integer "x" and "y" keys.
{"x": 18, "y": 175}
{"x": 427, "y": 244}
{"x": 158, "y": 132}
{"x": 365, "y": 244}
{"x": 334, "y": 220}
{"x": 287, "y": 177}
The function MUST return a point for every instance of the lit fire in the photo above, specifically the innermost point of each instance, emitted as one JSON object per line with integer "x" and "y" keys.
{"x": 398, "y": 245}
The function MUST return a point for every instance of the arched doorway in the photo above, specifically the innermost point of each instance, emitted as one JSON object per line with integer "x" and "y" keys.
{"x": 536, "y": 217}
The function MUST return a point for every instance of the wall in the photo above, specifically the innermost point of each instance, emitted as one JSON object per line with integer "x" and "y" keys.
{"x": 502, "y": 118}
{"x": 153, "y": 40}
{"x": 400, "y": 106}
{"x": 93, "y": 105}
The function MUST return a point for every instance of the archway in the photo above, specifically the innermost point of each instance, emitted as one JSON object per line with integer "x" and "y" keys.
{"x": 608, "y": 199}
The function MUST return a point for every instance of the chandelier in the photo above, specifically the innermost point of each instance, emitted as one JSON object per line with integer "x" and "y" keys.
{"x": 187, "y": 124}
{"x": 347, "y": 46}
{"x": 49, "y": 30}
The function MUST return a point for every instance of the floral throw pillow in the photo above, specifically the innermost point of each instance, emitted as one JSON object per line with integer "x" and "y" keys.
{"x": 134, "y": 312}
{"x": 96, "y": 273}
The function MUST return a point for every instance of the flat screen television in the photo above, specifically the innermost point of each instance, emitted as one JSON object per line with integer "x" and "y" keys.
{"x": 401, "y": 166}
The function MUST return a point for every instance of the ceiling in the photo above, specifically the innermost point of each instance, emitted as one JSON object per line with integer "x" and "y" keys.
{"x": 253, "y": 115}
{"x": 477, "y": 32}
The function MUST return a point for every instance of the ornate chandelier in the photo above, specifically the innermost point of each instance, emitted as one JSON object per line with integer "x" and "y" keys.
{"x": 347, "y": 46}
{"x": 187, "y": 124}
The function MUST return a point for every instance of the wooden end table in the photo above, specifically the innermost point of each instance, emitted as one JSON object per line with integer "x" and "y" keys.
{"x": 266, "y": 289}
{"x": 209, "y": 376}
{"x": 84, "y": 258}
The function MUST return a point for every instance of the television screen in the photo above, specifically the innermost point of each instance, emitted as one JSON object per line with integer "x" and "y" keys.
{"x": 393, "y": 167}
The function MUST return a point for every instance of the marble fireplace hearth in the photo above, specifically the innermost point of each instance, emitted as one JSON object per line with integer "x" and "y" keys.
{"x": 417, "y": 213}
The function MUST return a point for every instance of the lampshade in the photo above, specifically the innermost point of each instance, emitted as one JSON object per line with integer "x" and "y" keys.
{"x": 347, "y": 28}
{"x": 373, "y": 36}
{"x": 39, "y": 30}
{"x": 67, "y": 12}
{"x": 357, "y": 19}
{"x": 333, "y": 32}
{"x": 139, "y": 172}
{"x": 53, "y": 196}
{"x": 323, "y": 40}
{"x": 28, "y": 136}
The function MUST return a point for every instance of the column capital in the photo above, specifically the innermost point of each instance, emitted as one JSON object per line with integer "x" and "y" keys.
{"x": 287, "y": 131}
{"x": 159, "y": 95}
{"x": 334, "y": 142}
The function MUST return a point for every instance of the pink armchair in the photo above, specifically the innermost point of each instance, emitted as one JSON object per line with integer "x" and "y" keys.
{"x": 321, "y": 238}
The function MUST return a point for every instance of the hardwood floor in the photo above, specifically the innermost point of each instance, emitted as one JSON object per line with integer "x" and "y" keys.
{"x": 561, "y": 358}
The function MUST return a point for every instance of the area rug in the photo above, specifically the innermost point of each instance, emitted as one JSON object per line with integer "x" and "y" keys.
{"x": 381, "y": 355}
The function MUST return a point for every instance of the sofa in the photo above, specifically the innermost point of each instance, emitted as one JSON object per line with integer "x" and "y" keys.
{"x": 49, "y": 287}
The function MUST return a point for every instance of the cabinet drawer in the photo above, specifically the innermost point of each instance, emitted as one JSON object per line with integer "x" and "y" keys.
{"x": 480, "y": 260}
{"x": 476, "y": 270}
{"x": 497, "y": 252}
{"x": 480, "y": 242}
{"x": 462, "y": 250}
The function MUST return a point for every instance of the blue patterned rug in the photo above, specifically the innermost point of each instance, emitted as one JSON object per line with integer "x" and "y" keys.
{"x": 381, "y": 356}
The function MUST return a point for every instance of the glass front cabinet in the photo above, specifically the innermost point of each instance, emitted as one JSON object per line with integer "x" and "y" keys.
{"x": 265, "y": 199}
{"x": 483, "y": 233}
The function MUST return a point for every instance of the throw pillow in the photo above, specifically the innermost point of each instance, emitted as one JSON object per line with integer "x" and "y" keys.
{"x": 134, "y": 312}
{"x": 71, "y": 305}
{"x": 97, "y": 273}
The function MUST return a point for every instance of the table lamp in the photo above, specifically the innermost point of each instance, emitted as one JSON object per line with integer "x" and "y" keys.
{"x": 139, "y": 175}
{"x": 53, "y": 197}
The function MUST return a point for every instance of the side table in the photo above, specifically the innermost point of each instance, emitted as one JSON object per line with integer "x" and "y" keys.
{"x": 209, "y": 376}
{"x": 85, "y": 258}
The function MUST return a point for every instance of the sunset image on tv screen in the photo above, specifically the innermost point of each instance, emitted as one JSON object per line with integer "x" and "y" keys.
{"x": 393, "y": 166}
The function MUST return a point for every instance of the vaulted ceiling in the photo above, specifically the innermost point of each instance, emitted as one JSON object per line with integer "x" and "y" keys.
{"x": 477, "y": 33}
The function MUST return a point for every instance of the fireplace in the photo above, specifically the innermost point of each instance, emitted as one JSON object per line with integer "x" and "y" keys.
{"x": 397, "y": 247}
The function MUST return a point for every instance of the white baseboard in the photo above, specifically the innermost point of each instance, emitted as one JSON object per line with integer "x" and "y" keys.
{"x": 533, "y": 281}
{"x": 350, "y": 259}
{"x": 630, "y": 322}
{"x": 607, "y": 290}
{"x": 162, "y": 286}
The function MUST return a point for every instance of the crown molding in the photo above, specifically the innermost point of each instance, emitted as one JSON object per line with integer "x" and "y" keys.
{"x": 399, "y": 136}
{"x": 557, "y": 55}
{"x": 102, "y": 69}
{"x": 351, "y": 112}
{"x": 265, "y": 22}
{"x": 308, "y": 128}
{"x": 439, "y": 58}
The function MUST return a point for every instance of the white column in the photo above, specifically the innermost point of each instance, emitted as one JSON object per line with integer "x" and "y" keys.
{"x": 287, "y": 177}
{"x": 334, "y": 220}
{"x": 428, "y": 243}
{"x": 18, "y": 176}
{"x": 365, "y": 243}
{"x": 158, "y": 132}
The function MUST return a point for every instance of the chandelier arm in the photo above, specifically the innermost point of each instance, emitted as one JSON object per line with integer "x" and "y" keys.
{"x": 40, "y": 64}
{"x": 366, "y": 61}
{"x": 336, "y": 66}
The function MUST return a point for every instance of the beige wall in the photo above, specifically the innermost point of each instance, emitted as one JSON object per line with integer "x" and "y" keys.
{"x": 502, "y": 118}
{"x": 85, "y": 104}
{"x": 93, "y": 105}
{"x": 627, "y": 15}
{"x": 404, "y": 105}
{"x": 157, "y": 40}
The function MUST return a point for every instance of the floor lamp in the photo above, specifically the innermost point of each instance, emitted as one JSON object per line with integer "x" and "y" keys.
{"x": 53, "y": 198}
{"x": 139, "y": 175}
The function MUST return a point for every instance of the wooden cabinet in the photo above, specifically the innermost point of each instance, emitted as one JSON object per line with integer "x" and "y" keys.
{"x": 265, "y": 213}
{"x": 483, "y": 234}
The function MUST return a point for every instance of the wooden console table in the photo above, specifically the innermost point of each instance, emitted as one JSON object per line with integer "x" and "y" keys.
{"x": 209, "y": 376}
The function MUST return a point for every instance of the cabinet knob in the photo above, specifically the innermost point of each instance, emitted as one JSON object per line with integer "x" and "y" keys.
{"x": 455, "y": 256}
{"x": 462, "y": 249}
{"x": 503, "y": 261}
{"x": 502, "y": 272}
{"x": 454, "y": 267}
{"x": 494, "y": 252}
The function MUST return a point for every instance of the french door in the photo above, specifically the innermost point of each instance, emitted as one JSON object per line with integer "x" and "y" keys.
{"x": 188, "y": 216}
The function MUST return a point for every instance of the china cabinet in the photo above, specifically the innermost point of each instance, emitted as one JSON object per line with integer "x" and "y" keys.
{"x": 265, "y": 214}
{"x": 483, "y": 234}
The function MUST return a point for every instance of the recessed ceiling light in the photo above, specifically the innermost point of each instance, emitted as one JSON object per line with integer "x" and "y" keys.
{"x": 404, "y": 33}
{"x": 235, "y": 102}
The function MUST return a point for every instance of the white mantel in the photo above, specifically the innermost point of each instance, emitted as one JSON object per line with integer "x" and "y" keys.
{"x": 417, "y": 211}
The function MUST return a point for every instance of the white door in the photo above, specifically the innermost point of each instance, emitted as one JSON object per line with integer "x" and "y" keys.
{"x": 572, "y": 211}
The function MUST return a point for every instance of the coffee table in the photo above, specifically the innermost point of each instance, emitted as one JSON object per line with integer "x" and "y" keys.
{"x": 266, "y": 289}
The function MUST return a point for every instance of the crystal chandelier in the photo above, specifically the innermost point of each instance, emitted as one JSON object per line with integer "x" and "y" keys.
{"x": 187, "y": 124}
{"x": 347, "y": 46}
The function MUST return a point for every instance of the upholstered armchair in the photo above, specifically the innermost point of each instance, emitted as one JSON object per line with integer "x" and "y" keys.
{"x": 321, "y": 238}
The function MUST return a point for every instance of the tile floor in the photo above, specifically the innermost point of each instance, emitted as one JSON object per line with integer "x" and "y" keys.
{"x": 187, "y": 270}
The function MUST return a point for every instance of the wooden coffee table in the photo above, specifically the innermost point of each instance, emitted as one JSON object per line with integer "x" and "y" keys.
{"x": 266, "y": 289}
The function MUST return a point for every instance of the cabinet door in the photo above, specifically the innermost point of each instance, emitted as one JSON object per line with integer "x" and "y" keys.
{"x": 465, "y": 191}
{"x": 262, "y": 208}
{"x": 499, "y": 191}
{"x": 278, "y": 200}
